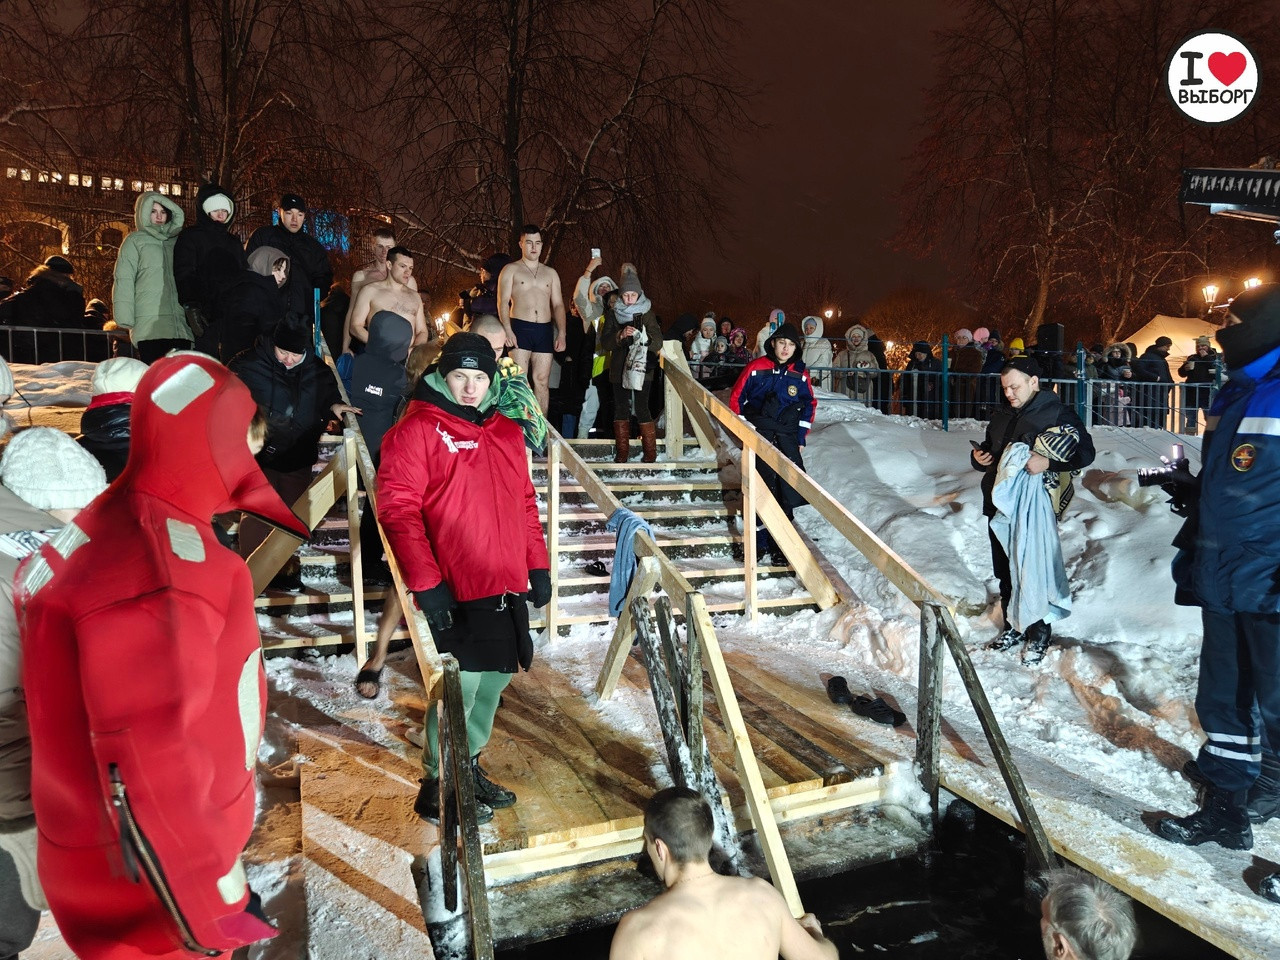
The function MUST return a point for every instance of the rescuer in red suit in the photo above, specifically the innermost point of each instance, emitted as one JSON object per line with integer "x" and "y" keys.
{"x": 144, "y": 684}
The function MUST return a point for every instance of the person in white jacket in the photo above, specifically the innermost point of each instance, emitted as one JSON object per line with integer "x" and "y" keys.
{"x": 701, "y": 346}
{"x": 817, "y": 352}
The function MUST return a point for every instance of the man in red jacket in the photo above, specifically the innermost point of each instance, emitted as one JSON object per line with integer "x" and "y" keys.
{"x": 456, "y": 501}
{"x": 144, "y": 684}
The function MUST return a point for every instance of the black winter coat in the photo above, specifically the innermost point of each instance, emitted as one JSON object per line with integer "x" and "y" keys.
{"x": 1152, "y": 367}
{"x": 309, "y": 267}
{"x": 295, "y": 402}
{"x": 609, "y": 340}
{"x": 1008, "y": 425}
{"x": 378, "y": 379}
{"x": 104, "y": 432}
{"x": 1198, "y": 369}
{"x": 249, "y": 306}
{"x": 192, "y": 249}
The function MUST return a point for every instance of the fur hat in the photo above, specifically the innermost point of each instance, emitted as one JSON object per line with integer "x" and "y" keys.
{"x": 218, "y": 201}
{"x": 117, "y": 375}
{"x": 1258, "y": 332}
{"x": 468, "y": 351}
{"x": 50, "y": 471}
{"x": 630, "y": 280}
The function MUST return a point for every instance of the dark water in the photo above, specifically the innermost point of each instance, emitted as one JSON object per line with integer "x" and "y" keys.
{"x": 964, "y": 900}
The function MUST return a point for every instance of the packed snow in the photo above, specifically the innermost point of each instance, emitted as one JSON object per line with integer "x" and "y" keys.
{"x": 1101, "y": 726}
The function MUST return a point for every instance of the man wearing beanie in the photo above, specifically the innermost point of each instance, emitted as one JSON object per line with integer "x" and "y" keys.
{"x": 1033, "y": 448}
{"x": 197, "y": 289}
{"x": 774, "y": 395}
{"x": 142, "y": 669}
{"x": 309, "y": 267}
{"x": 297, "y": 394}
{"x": 104, "y": 425}
{"x": 461, "y": 516}
{"x": 46, "y": 480}
{"x": 1229, "y": 555}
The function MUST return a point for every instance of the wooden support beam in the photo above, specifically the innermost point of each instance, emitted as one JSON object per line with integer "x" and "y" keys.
{"x": 673, "y": 410}
{"x": 698, "y": 619}
{"x": 646, "y": 576}
{"x": 792, "y": 546}
{"x": 554, "y": 444}
{"x": 677, "y": 669}
{"x": 929, "y": 708}
{"x": 673, "y": 358}
{"x": 900, "y": 573}
{"x": 310, "y": 507}
{"x": 353, "y": 540}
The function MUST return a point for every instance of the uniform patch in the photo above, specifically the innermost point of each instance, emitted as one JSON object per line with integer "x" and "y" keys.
{"x": 1243, "y": 456}
{"x": 184, "y": 541}
{"x": 68, "y": 540}
{"x": 792, "y": 390}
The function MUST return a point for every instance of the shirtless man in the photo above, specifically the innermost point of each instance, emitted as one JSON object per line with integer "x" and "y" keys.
{"x": 394, "y": 293}
{"x": 531, "y": 309}
{"x": 702, "y": 915}
{"x": 376, "y": 269}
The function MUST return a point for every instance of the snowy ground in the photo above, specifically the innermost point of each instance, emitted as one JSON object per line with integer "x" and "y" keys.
{"x": 1108, "y": 714}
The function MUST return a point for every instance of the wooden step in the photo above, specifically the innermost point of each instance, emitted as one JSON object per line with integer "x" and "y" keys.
{"x": 676, "y": 466}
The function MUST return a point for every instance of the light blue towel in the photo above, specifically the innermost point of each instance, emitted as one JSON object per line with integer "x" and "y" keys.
{"x": 626, "y": 524}
{"x": 1025, "y": 526}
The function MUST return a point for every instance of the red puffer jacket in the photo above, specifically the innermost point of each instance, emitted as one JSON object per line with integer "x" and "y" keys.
{"x": 144, "y": 684}
{"x": 457, "y": 503}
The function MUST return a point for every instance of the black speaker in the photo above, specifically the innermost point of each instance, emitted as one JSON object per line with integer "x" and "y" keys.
{"x": 1049, "y": 337}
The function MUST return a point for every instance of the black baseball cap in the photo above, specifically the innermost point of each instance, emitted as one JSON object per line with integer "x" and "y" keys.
{"x": 291, "y": 201}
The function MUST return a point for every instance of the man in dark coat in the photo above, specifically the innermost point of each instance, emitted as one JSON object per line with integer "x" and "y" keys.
{"x": 918, "y": 385}
{"x": 297, "y": 395}
{"x": 211, "y": 231}
{"x": 50, "y": 298}
{"x": 1059, "y": 445}
{"x": 1152, "y": 367}
{"x": 309, "y": 267}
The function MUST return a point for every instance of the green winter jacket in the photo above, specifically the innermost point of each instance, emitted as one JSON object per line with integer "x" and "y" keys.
{"x": 145, "y": 296}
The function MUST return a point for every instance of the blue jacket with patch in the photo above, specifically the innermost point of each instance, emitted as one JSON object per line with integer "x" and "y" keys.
{"x": 1234, "y": 560}
{"x": 775, "y": 395}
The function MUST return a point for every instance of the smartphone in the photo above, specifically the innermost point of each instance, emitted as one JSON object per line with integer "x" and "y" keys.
{"x": 975, "y": 444}
{"x": 595, "y": 253}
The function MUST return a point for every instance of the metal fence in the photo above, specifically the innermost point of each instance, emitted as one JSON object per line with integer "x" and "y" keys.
{"x": 51, "y": 344}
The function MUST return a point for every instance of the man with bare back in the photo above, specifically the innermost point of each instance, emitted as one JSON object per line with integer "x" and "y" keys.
{"x": 376, "y": 269}
{"x": 531, "y": 308}
{"x": 702, "y": 914}
{"x": 393, "y": 294}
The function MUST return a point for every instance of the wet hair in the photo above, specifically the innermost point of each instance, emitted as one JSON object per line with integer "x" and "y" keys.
{"x": 421, "y": 357}
{"x": 398, "y": 251}
{"x": 681, "y": 819}
{"x": 383, "y": 233}
{"x": 486, "y": 324}
{"x": 258, "y": 428}
{"x": 529, "y": 229}
{"x": 1096, "y": 919}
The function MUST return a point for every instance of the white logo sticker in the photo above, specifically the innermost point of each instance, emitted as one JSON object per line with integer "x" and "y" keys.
{"x": 1212, "y": 77}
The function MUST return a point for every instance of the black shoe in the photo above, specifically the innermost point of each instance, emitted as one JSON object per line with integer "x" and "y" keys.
{"x": 286, "y": 582}
{"x": 1264, "y": 804}
{"x": 488, "y": 792}
{"x": 427, "y": 806}
{"x": 1224, "y": 820}
{"x": 596, "y": 568}
{"x": 1269, "y": 887}
{"x": 1006, "y": 639}
{"x": 1038, "y": 637}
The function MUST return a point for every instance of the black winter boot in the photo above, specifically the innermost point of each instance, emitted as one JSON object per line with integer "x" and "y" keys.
{"x": 487, "y": 791}
{"x": 1006, "y": 639}
{"x": 1224, "y": 820}
{"x": 1264, "y": 795}
{"x": 1038, "y": 636}
{"x": 1269, "y": 887}
{"x": 427, "y": 806}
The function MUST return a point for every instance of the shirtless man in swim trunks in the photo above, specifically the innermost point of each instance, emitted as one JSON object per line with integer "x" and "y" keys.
{"x": 394, "y": 293}
{"x": 376, "y": 269}
{"x": 703, "y": 915}
{"x": 531, "y": 308}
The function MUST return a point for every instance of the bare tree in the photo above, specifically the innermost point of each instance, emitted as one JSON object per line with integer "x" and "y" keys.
{"x": 600, "y": 121}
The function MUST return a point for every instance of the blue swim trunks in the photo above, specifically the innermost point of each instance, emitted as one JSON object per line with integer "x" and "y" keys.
{"x": 534, "y": 337}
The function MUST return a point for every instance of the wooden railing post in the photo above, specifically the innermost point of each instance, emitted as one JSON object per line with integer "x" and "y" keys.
{"x": 929, "y": 705}
{"x": 553, "y": 530}
{"x": 353, "y": 539}
{"x": 750, "y": 548}
{"x": 673, "y": 410}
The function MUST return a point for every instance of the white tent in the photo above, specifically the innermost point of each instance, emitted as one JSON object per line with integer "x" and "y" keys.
{"x": 1181, "y": 330}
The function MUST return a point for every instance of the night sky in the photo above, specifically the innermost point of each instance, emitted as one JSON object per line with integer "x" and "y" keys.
{"x": 843, "y": 89}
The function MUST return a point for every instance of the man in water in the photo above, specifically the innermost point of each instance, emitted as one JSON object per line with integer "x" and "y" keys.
{"x": 384, "y": 239}
{"x": 1081, "y": 918}
{"x": 702, "y": 914}
{"x": 394, "y": 293}
{"x": 531, "y": 308}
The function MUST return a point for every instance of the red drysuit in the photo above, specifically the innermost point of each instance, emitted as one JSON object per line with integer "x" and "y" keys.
{"x": 144, "y": 683}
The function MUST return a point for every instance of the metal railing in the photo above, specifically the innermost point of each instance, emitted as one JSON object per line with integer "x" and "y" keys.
{"x": 53, "y": 344}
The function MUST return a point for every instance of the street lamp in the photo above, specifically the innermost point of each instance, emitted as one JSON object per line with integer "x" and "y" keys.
{"x": 828, "y": 313}
{"x": 1210, "y": 292}
{"x": 1252, "y": 282}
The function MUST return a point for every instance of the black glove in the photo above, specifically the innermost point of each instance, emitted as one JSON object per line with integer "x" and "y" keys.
{"x": 437, "y": 604}
{"x": 539, "y": 587}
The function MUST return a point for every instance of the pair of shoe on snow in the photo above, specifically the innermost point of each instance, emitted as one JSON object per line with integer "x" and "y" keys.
{"x": 873, "y": 708}
{"x": 1036, "y": 638}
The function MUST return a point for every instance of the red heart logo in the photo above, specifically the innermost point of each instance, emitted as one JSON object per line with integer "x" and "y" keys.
{"x": 1227, "y": 67}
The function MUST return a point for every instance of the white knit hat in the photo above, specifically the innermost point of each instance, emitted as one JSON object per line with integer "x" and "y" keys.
{"x": 6, "y": 381}
{"x": 50, "y": 471}
{"x": 117, "y": 375}
{"x": 219, "y": 201}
